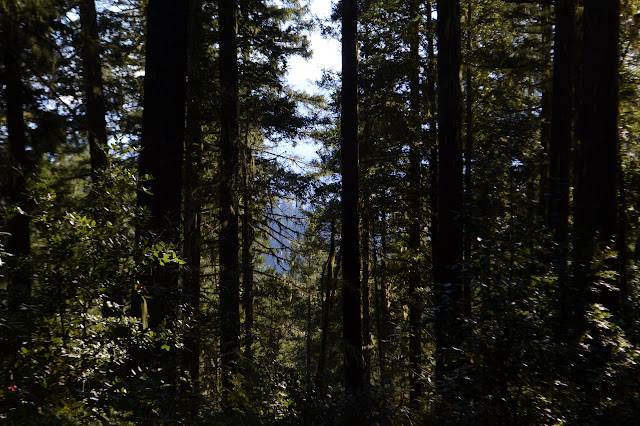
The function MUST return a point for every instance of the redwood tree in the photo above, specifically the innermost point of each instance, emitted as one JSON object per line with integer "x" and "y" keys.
{"x": 351, "y": 304}
{"x": 228, "y": 237}
{"x": 560, "y": 145}
{"x": 163, "y": 125}
{"x": 449, "y": 235}
{"x": 93, "y": 86}
{"x": 596, "y": 194}
{"x": 19, "y": 243}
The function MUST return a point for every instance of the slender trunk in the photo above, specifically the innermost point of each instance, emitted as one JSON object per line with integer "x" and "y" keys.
{"x": 19, "y": 243}
{"x": 433, "y": 133}
{"x": 351, "y": 316}
{"x": 308, "y": 341}
{"x": 327, "y": 280}
{"x": 229, "y": 265}
{"x": 468, "y": 177}
{"x": 192, "y": 200}
{"x": 596, "y": 193}
{"x": 96, "y": 109}
{"x": 247, "y": 257}
{"x": 626, "y": 314}
{"x": 560, "y": 149}
{"x": 382, "y": 312}
{"x": 449, "y": 235}
{"x": 415, "y": 177}
{"x": 546, "y": 108}
{"x": 366, "y": 308}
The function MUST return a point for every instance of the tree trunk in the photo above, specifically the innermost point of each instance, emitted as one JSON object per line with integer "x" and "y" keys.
{"x": 328, "y": 281}
{"x": 351, "y": 320}
{"x": 596, "y": 193}
{"x": 247, "y": 257}
{"x": 468, "y": 166}
{"x": 382, "y": 313}
{"x": 192, "y": 200}
{"x": 96, "y": 108}
{"x": 560, "y": 148}
{"x": 366, "y": 307}
{"x": 414, "y": 199}
{"x": 163, "y": 125}
{"x": 19, "y": 243}
{"x": 546, "y": 108}
{"x": 229, "y": 141}
{"x": 449, "y": 235}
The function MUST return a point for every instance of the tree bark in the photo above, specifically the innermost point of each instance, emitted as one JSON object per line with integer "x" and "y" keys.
{"x": 229, "y": 141}
{"x": 468, "y": 166}
{"x": 366, "y": 306}
{"x": 382, "y": 312}
{"x": 96, "y": 108}
{"x": 247, "y": 256}
{"x": 546, "y": 108}
{"x": 328, "y": 281}
{"x": 192, "y": 199}
{"x": 163, "y": 126}
{"x": 351, "y": 318}
{"x": 19, "y": 242}
{"x": 560, "y": 148}
{"x": 449, "y": 235}
{"x": 596, "y": 193}
{"x": 415, "y": 178}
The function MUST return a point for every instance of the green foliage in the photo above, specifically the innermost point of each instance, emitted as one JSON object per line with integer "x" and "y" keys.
{"x": 69, "y": 354}
{"x": 80, "y": 350}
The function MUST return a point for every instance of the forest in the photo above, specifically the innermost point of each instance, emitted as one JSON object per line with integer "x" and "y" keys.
{"x": 463, "y": 247}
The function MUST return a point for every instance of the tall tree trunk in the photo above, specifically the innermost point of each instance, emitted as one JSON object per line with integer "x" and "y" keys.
{"x": 560, "y": 148}
{"x": 163, "y": 125}
{"x": 449, "y": 235}
{"x": 596, "y": 194}
{"x": 415, "y": 178}
{"x": 19, "y": 243}
{"x": 352, "y": 329}
{"x": 433, "y": 133}
{"x": 247, "y": 257}
{"x": 192, "y": 200}
{"x": 366, "y": 307}
{"x": 93, "y": 87}
{"x": 382, "y": 312}
{"x": 328, "y": 282}
{"x": 229, "y": 141}
{"x": 468, "y": 165}
{"x": 546, "y": 108}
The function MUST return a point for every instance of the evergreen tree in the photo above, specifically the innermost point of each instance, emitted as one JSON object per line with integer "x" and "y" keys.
{"x": 351, "y": 303}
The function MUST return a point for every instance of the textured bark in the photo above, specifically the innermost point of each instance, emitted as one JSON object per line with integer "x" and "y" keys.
{"x": 247, "y": 254}
{"x": 192, "y": 198}
{"x": 163, "y": 126}
{"x": 560, "y": 147}
{"x": 546, "y": 108}
{"x": 352, "y": 329}
{"x": 382, "y": 309}
{"x": 366, "y": 306}
{"x": 95, "y": 103}
{"x": 596, "y": 189}
{"x": 433, "y": 133}
{"x": 415, "y": 177}
{"x": 229, "y": 141}
{"x": 449, "y": 235}
{"x": 19, "y": 242}
{"x": 468, "y": 168}
{"x": 328, "y": 280}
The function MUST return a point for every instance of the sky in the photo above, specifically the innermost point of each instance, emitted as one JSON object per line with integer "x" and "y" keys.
{"x": 304, "y": 72}
{"x": 326, "y": 54}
